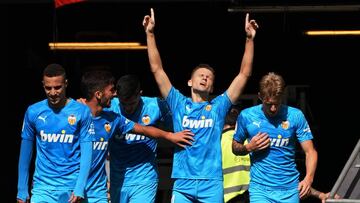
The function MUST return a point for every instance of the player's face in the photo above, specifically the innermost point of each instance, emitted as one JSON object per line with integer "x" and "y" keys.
{"x": 108, "y": 93}
{"x": 202, "y": 80}
{"x": 131, "y": 104}
{"x": 55, "y": 90}
{"x": 271, "y": 106}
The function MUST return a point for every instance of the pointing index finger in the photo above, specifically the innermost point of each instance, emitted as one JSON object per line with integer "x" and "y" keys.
{"x": 152, "y": 14}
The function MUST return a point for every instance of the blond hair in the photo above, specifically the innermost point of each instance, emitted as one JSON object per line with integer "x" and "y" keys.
{"x": 272, "y": 85}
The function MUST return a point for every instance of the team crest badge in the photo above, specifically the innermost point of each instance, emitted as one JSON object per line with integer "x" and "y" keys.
{"x": 92, "y": 129}
{"x": 72, "y": 119}
{"x": 188, "y": 109}
{"x": 285, "y": 125}
{"x": 208, "y": 107}
{"x": 146, "y": 119}
{"x": 107, "y": 127}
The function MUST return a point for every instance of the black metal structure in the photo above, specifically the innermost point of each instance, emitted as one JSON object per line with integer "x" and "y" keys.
{"x": 348, "y": 183}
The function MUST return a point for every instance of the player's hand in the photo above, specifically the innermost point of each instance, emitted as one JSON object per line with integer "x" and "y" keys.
{"x": 75, "y": 199}
{"x": 81, "y": 100}
{"x": 22, "y": 201}
{"x": 259, "y": 142}
{"x": 324, "y": 196}
{"x": 250, "y": 27}
{"x": 304, "y": 188}
{"x": 149, "y": 22}
{"x": 183, "y": 138}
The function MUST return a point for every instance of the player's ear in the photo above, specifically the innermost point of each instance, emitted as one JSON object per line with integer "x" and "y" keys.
{"x": 259, "y": 96}
{"x": 98, "y": 94}
{"x": 190, "y": 83}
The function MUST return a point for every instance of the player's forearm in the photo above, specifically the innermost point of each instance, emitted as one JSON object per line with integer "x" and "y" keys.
{"x": 248, "y": 57}
{"x": 156, "y": 67}
{"x": 314, "y": 192}
{"x": 153, "y": 53}
{"x": 311, "y": 163}
{"x": 238, "y": 84}
{"x": 85, "y": 165}
{"x": 152, "y": 132}
{"x": 239, "y": 149}
{"x": 23, "y": 170}
{"x": 318, "y": 194}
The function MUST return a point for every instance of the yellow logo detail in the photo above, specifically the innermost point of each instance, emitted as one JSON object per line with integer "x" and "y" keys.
{"x": 146, "y": 119}
{"x": 107, "y": 127}
{"x": 72, "y": 119}
{"x": 285, "y": 125}
{"x": 208, "y": 107}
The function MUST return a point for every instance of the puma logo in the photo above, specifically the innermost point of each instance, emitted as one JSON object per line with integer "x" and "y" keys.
{"x": 42, "y": 118}
{"x": 257, "y": 123}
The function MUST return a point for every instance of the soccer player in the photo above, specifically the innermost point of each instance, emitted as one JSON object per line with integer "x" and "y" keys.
{"x": 272, "y": 130}
{"x": 60, "y": 127}
{"x": 133, "y": 168}
{"x": 197, "y": 169}
{"x": 98, "y": 88}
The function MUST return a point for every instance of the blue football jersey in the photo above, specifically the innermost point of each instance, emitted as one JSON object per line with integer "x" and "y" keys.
{"x": 102, "y": 129}
{"x": 58, "y": 134}
{"x": 132, "y": 156}
{"x": 275, "y": 166}
{"x": 206, "y": 120}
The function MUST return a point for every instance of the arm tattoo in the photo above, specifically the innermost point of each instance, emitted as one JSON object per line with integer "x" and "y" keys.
{"x": 238, "y": 148}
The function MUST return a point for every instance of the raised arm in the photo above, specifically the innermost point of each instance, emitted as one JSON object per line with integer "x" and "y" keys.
{"x": 156, "y": 67}
{"x": 237, "y": 86}
{"x": 181, "y": 139}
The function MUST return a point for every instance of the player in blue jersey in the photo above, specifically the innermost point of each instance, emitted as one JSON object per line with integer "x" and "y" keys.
{"x": 272, "y": 130}
{"x": 197, "y": 169}
{"x": 98, "y": 88}
{"x": 60, "y": 127}
{"x": 133, "y": 168}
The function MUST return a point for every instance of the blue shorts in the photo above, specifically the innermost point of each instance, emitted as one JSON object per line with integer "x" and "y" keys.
{"x": 50, "y": 196}
{"x": 95, "y": 197}
{"x": 197, "y": 190}
{"x": 263, "y": 194}
{"x": 134, "y": 193}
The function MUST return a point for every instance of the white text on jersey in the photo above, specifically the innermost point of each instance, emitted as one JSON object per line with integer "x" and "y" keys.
{"x": 131, "y": 136}
{"x": 100, "y": 145}
{"x": 204, "y": 123}
{"x": 63, "y": 138}
{"x": 279, "y": 142}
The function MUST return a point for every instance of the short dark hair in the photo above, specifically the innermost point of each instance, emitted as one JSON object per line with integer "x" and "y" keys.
{"x": 53, "y": 70}
{"x": 127, "y": 86}
{"x": 95, "y": 80}
{"x": 203, "y": 65}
